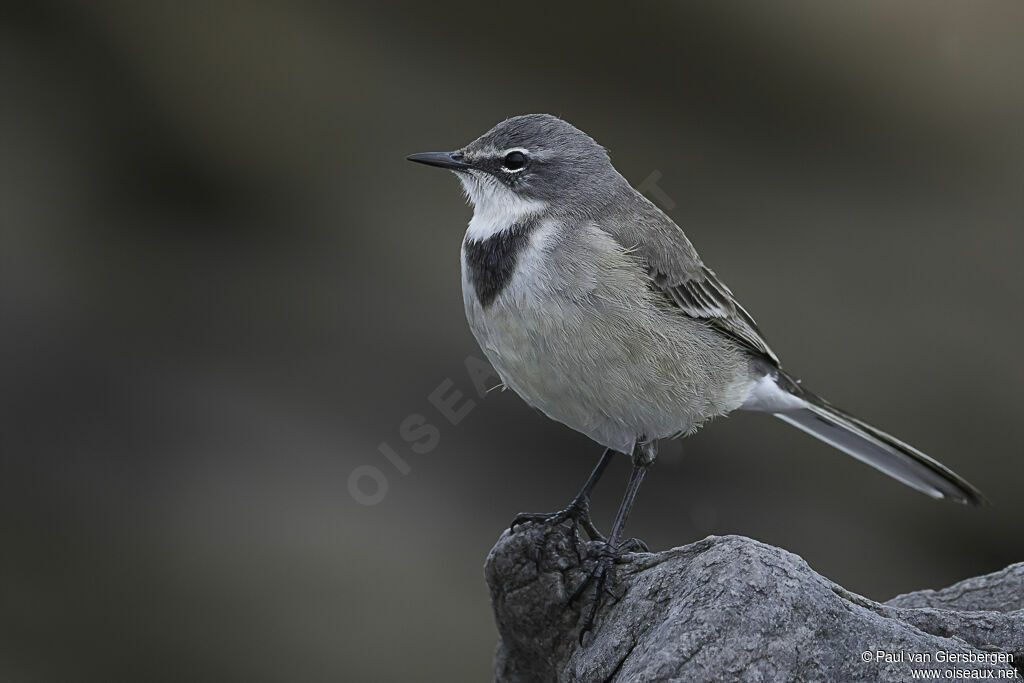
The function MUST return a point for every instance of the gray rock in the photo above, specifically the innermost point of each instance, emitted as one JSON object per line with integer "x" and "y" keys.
{"x": 731, "y": 608}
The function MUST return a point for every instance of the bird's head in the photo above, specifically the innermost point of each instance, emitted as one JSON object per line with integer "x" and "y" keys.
{"x": 534, "y": 160}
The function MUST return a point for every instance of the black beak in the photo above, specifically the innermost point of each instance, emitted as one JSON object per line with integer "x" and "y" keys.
{"x": 452, "y": 160}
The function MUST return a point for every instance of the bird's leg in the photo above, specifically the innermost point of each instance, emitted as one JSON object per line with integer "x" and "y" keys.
{"x": 578, "y": 511}
{"x": 643, "y": 456}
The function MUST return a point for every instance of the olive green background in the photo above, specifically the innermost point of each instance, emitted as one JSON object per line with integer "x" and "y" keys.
{"x": 222, "y": 287}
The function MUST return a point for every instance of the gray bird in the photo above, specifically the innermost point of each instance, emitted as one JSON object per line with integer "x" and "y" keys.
{"x": 594, "y": 307}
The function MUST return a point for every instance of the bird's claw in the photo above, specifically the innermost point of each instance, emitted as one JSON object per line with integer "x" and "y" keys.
{"x": 578, "y": 512}
{"x": 633, "y": 545}
{"x": 599, "y": 578}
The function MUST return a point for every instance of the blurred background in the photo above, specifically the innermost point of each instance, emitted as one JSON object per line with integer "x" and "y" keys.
{"x": 222, "y": 288}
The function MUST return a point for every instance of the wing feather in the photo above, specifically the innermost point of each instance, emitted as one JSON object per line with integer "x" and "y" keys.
{"x": 707, "y": 298}
{"x": 675, "y": 268}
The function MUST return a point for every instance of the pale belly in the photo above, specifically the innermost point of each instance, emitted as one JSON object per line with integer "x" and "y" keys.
{"x": 611, "y": 366}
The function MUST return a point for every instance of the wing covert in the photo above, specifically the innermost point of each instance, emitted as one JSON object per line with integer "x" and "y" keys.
{"x": 707, "y": 298}
{"x": 677, "y": 270}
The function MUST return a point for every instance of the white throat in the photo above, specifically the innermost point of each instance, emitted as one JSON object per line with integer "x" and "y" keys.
{"x": 495, "y": 207}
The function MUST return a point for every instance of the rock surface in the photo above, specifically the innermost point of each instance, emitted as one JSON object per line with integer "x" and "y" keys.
{"x": 731, "y": 608}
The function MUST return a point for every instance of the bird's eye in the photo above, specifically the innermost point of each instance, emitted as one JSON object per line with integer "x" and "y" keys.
{"x": 514, "y": 161}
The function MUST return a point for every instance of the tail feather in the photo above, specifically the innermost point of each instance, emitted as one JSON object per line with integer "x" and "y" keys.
{"x": 870, "y": 445}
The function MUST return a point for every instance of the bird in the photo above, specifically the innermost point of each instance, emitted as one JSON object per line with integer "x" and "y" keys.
{"x": 594, "y": 307}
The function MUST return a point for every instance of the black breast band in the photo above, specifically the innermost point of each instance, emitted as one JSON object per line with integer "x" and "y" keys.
{"x": 492, "y": 262}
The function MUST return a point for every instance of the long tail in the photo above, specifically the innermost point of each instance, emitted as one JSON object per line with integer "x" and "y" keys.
{"x": 782, "y": 396}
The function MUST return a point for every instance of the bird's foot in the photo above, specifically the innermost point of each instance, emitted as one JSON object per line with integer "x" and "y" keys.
{"x": 578, "y": 513}
{"x": 601, "y": 577}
